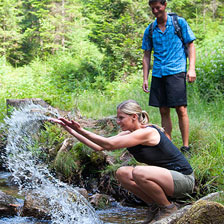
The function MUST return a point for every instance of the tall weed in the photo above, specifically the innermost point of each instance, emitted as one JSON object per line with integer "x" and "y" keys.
{"x": 210, "y": 68}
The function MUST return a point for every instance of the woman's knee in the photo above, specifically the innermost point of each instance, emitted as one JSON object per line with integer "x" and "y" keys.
{"x": 138, "y": 173}
{"x": 122, "y": 172}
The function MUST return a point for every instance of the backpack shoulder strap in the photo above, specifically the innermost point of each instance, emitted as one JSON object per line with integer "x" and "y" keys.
{"x": 150, "y": 33}
{"x": 176, "y": 26}
{"x": 178, "y": 31}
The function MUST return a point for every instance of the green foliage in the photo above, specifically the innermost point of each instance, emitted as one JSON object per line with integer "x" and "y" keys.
{"x": 51, "y": 135}
{"x": 10, "y": 31}
{"x": 208, "y": 170}
{"x": 210, "y": 68}
{"x": 206, "y": 139}
{"x": 86, "y": 54}
{"x": 221, "y": 199}
{"x": 114, "y": 93}
{"x": 74, "y": 74}
{"x": 79, "y": 161}
{"x": 197, "y": 8}
{"x": 117, "y": 35}
{"x": 66, "y": 164}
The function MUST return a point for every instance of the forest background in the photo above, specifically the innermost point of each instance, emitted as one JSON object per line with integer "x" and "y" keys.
{"x": 86, "y": 55}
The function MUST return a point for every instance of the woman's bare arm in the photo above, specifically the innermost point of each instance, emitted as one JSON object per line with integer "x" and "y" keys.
{"x": 81, "y": 138}
{"x": 145, "y": 136}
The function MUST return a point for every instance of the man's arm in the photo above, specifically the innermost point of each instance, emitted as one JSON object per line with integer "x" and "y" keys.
{"x": 191, "y": 74}
{"x": 146, "y": 69}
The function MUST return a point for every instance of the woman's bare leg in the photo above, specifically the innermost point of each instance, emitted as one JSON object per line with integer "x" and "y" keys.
{"x": 124, "y": 176}
{"x": 150, "y": 183}
{"x": 154, "y": 181}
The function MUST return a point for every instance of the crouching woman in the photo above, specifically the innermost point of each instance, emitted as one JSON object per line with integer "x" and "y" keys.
{"x": 165, "y": 172}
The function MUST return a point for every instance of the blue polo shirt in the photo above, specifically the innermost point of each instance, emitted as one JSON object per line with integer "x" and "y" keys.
{"x": 169, "y": 56}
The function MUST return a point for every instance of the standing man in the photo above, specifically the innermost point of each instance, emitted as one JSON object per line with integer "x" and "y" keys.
{"x": 168, "y": 86}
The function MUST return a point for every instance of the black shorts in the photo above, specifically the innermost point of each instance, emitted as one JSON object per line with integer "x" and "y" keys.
{"x": 168, "y": 91}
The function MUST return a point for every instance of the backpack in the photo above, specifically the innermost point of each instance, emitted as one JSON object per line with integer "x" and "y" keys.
{"x": 177, "y": 31}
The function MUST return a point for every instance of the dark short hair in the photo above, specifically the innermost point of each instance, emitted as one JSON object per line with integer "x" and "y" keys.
{"x": 161, "y": 1}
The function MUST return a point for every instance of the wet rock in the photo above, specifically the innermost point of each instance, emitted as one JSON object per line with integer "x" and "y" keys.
{"x": 17, "y": 103}
{"x": 203, "y": 212}
{"x": 12, "y": 104}
{"x": 8, "y": 204}
{"x": 3, "y": 142}
{"x": 101, "y": 201}
{"x": 83, "y": 192}
{"x": 198, "y": 212}
{"x": 36, "y": 207}
{"x": 213, "y": 196}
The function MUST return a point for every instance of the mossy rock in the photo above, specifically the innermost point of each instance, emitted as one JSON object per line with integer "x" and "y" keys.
{"x": 101, "y": 201}
{"x": 203, "y": 212}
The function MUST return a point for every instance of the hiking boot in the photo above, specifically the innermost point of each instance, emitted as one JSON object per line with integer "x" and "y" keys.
{"x": 152, "y": 210}
{"x": 164, "y": 211}
{"x": 185, "y": 149}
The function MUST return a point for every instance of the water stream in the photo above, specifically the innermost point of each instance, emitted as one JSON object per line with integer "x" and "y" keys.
{"x": 118, "y": 214}
{"x": 29, "y": 173}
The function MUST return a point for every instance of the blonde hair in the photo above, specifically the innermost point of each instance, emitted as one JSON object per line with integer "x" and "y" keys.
{"x": 132, "y": 107}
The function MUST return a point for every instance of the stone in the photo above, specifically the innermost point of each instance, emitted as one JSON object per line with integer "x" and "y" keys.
{"x": 16, "y": 103}
{"x": 203, "y": 212}
{"x": 177, "y": 217}
{"x": 100, "y": 201}
{"x": 36, "y": 207}
{"x": 8, "y": 204}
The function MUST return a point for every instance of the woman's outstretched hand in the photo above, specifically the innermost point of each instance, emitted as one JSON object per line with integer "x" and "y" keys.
{"x": 66, "y": 123}
{"x": 72, "y": 124}
{"x": 56, "y": 120}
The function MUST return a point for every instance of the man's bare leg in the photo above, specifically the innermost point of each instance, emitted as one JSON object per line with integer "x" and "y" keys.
{"x": 166, "y": 120}
{"x": 183, "y": 123}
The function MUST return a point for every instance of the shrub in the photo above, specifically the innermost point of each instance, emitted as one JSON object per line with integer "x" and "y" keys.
{"x": 210, "y": 69}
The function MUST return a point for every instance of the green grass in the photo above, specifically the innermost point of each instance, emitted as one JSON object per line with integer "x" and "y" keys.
{"x": 206, "y": 117}
{"x": 206, "y": 129}
{"x": 221, "y": 199}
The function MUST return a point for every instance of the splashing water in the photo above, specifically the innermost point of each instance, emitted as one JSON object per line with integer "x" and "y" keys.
{"x": 30, "y": 173}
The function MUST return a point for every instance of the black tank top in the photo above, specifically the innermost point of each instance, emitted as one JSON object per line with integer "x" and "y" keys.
{"x": 165, "y": 155}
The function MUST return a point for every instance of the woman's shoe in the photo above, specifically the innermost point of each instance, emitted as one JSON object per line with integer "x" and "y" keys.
{"x": 152, "y": 210}
{"x": 163, "y": 212}
{"x": 185, "y": 149}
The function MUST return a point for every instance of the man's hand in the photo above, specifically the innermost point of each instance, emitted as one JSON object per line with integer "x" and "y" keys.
{"x": 145, "y": 86}
{"x": 191, "y": 75}
{"x": 146, "y": 68}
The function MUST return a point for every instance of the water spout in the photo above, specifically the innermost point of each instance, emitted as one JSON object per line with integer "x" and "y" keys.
{"x": 31, "y": 174}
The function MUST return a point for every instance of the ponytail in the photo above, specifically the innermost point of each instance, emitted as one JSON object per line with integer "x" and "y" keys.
{"x": 143, "y": 117}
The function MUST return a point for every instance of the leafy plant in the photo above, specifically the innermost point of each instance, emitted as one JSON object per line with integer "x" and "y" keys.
{"x": 210, "y": 68}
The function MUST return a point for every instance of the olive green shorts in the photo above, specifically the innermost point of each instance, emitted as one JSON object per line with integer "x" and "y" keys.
{"x": 183, "y": 184}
